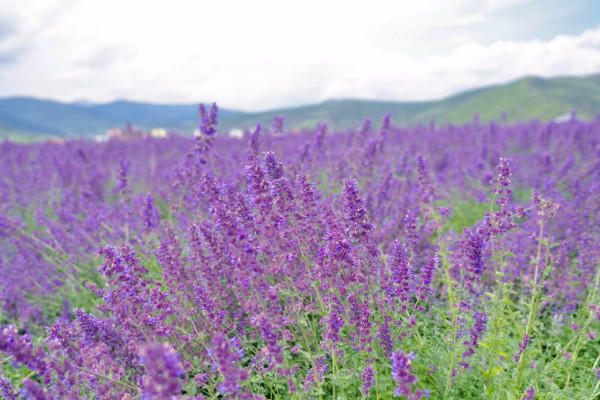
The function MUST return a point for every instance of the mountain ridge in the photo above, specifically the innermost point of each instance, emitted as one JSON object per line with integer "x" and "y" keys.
{"x": 521, "y": 99}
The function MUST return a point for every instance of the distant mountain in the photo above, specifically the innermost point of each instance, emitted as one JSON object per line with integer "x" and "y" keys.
{"x": 52, "y": 118}
{"x": 181, "y": 117}
{"x": 26, "y": 115}
{"x": 523, "y": 99}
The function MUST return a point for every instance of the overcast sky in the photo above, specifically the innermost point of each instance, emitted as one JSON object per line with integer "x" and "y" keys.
{"x": 261, "y": 54}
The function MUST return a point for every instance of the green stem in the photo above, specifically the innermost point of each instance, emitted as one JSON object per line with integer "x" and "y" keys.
{"x": 589, "y": 300}
{"x": 452, "y": 300}
{"x": 578, "y": 335}
{"x": 595, "y": 392}
{"x": 29, "y": 375}
{"x": 416, "y": 330}
{"x": 593, "y": 396}
{"x": 272, "y": 390}
{"x": 313, "y": 363}
{"x": 573, "y": 359}
{"x": 335, "y": 369}
{"x": 315, "y": 285}
{"x": 535, "y": 294}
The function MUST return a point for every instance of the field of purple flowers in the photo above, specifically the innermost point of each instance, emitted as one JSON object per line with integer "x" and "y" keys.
{"x": 452, "y": 262}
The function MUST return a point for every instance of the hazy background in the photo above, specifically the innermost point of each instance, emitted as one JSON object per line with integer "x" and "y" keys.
{"x": 258, "y": 55}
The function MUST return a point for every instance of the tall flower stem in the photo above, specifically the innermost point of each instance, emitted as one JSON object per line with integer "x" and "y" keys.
{"x": 590, "y": 299}
{"x": 551, "y": 363}
{"x": 535, "y": 292}
{"x": 452, "y": 300}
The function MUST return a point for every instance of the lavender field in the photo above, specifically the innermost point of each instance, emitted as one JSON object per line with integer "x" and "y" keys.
{"x": 448, "y": 262}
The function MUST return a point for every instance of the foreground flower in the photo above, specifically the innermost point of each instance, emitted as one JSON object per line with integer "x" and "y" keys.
{"x": 163, "y": 371}
{"x": 402, "y": 375}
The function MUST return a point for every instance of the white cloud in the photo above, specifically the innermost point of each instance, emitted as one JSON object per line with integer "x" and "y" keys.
{"x": 265, "y": 53}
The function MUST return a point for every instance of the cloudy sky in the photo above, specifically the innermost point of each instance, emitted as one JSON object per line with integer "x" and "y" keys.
{"x": 261, "y": 54}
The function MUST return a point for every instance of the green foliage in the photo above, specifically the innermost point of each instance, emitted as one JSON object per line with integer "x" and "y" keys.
{"x": 465, "y": 213}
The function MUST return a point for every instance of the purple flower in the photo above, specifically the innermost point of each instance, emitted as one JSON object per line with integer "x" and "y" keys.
{"x": 360, "y": 315}
{"x": 400, "y": 269}
{"x": 277, "y": 125}
{"x": 366, "y": 126}
{"x": 226, "y": 357}
{"x": 208, "y": 128}
{"x": 368, "y": 377}
{"x": 402, "y": 375}
{"x": 259, "y": 188}
{"x": 425, "y": 185}
{"x": 503, "y": 172}
{"x": 21, "y": 349}
{"x": 270, "y": 337}
{"x": 208, "y": 120}
{"x": 320, "y": 137}
{"x": 253, "y": 144}
{"x": 575, "y": 326}
{"x": 427, "y": 274}
{"x": 354, "y": 211}
{"x": 7, "y": 389}
{"x": 205, "y": 302}
{"x": 150, "y": 213}
{"x": 385, "y": 338}
{"x": 522, "y": 347}
{"x": 529, "y": 393}
{"x": 596, "y": 310}
{"x": 98, "y": 331}
{"x": 121, "y": 170}
{"x": 273, "y": 167}
{"x": 334, "y": 323}
{"x": 472, "y": 249}
{"x": 33, "y": 391}
{"x": 475, "y": 334}
{"x": 163, "y": 371}
{"x": 386, "y": 124}
{"x": 308, "y": 383}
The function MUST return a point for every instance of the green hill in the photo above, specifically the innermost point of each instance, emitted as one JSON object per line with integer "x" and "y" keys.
{"x": 523, "y": 99}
